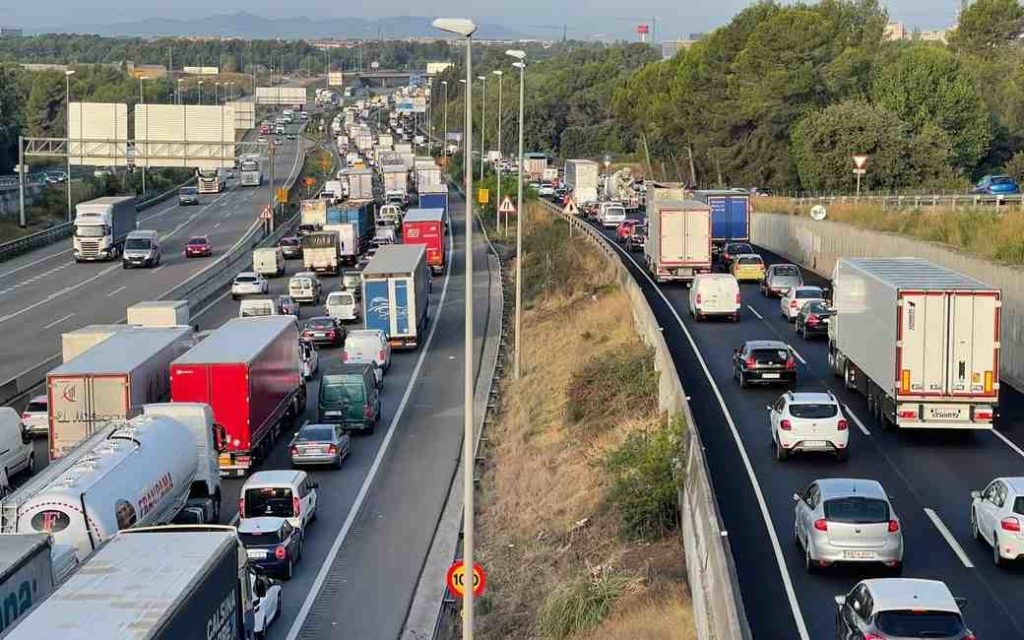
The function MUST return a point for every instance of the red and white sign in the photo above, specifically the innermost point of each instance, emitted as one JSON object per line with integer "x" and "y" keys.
{"x": 860, "y": 161}
{"x": 456, "y": 579}
{"x": 506, "y": 206}
{"x": 266, "y": 213}
{"x": 570, "y": 207}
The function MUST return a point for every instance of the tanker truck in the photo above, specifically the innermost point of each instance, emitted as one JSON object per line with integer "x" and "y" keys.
{"x": 150, "y": 470}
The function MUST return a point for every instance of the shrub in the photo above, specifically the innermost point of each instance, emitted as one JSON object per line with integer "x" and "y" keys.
{"x": 580, "y": 605}
{"x": 611, "y": 386}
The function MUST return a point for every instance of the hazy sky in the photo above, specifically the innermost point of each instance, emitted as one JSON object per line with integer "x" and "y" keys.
{"x": 584, "y": 17}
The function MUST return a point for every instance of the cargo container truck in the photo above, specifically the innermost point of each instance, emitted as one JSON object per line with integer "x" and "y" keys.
{"x": 360, "y": 183}
{"x": 426, "y": 227}
{"x": 26, "y": 576}
{"x": 101, "y": 226}
{"x": 74, "y": 343}
{"x": 358, "y": 213}
{"x": 534, "y": 165}
{"x": 105, "y": 383}
{"x": 396, "y": 286}
{"x": 348, "y": 242}
{"x": 320, "y": 252}
{"x": 730, "y": 216}
{"x": 428, "y": 177}
{"x": 249, "y": 173}
{"x": 250, "y": 371}
{"x": 385, "y": 140}
{"x": 581, "y": 179}
{"x": 395, "y": 177}
{"x": 313, "y": 213}
{"x": 435, "y": 197}
{"x": 159, "y": 313}
{"x": 678, "y": 240}
{"x": 920, "y": 341}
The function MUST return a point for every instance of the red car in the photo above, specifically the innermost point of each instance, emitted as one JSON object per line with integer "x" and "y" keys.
{"x": 198, "y": 247}
{"x": 624, "y": 230}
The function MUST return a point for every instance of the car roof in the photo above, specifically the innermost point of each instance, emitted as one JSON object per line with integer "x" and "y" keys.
{"x": 41, "y": 398}
{"x": 250, "y": 274}
{"x": 1015, "y": 483}
{"x": 837, "y": 487}
{"x": 788, "y": 265}
{"x": 263, "y": 524}
{"x": 805, "y": 287}
{"x": 314, "y": 318}
{"x": 910, "y": 593}
{"x": 361, "y": 333}
{"x": 766, "y": 344}
{"x": 812, "y": 397}
{"x": 276, "y": 478}
{"x": 304, "y": 274}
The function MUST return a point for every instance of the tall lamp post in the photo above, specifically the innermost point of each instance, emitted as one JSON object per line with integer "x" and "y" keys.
{"x": 178, "y": 95}
{"x": 444, "y": 141}
{"x": 497, "y": 169}
{"x": 520, "y": 56}
{"x": 483, "y": 122}
{"x": 465, "y": 29}
{"x": 200, "y": 92}
{"x": 67, "y": 133}
{"x": 142, "y": 101}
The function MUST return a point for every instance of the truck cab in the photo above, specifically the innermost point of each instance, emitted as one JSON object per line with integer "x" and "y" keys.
{"x": 101, "y": 226}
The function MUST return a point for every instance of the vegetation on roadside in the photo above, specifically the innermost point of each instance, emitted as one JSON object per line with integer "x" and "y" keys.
{"x": 576, "y": 528}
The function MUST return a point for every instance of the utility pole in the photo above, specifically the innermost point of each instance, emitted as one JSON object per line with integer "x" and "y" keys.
{"x": 273, "y": 191}
{"x": 693, "y": 173}
{"x": 22, "y": 222}
{"x": 497, "y": 198}
{"x": 483, "y": 124}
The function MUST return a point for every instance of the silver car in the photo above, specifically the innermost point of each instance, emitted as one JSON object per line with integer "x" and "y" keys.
{"x": 35, "y": 417}
{"x": 847, "y": 520}
{"x": 900, "y": 609}
{"x": 780, "y": 278}
{"x": 320, "y": 444}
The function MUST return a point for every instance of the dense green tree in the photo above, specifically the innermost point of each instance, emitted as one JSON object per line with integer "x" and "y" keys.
{"x": 988, "y": 25}
{"x": 44, "y": 109}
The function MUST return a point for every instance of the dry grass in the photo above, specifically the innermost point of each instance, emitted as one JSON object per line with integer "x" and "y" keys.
{"x": 663, "y": 617}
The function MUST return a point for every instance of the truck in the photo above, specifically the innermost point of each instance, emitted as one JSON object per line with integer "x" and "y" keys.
{"x": 74, "y": 343}
{"x": 249, "y": 173}
{"x": 385, "y": 140}
{"x": 426, "y": 227}
{"x": 209, "y": 181}
{"x": 730, "y": 216}
{"x": 357, "y": 212}
{"x": 428, "y": 177}
{"x": 268, "y": 261}
{"x": 678, "y": 239}
{"x": 581, "y": 179}
{"x": 106, "y": 382}
{"x": 159, "y": 313}
{"x": 313, "y": 213}
{"x": 534, "y": 165}
{"x": 619, "y": 187}
{"x": 349, "y": 248}
{"x": 320, "y": 251}
{"x": 360, "y": 184}
{"x": 395, "y": 177}
{"x": 166, "y": 583}
{"x": 101, "y": 227}
{"x": 26, "y": 575}
{"x": 396, "y": 286}
{"x": 434, "y": 197}
{"x": 332, "y": 191}
{"x": 250, "y": 371}
{"x": 149, "y": 470}
{"x": 918, "y": 340}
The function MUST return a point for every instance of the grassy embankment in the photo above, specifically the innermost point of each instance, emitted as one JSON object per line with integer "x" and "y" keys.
{"x": 578, "y": 526}
{"x": 990, "y": 233}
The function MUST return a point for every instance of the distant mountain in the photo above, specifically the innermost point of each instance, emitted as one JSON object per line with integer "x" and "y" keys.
{"x": 247, "y": 25}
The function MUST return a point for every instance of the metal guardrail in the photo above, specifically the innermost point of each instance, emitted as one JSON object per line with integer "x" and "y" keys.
{"x": 917, "y": 201}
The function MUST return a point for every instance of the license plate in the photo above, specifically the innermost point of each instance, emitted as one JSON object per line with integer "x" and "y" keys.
{"x": 814, "y": 444}
{"x": 319, "y": 334}
{"x": 770, "y": 376}
{"x": 256, "y": 554}
{"x": 859, "y": 555}
{"x": 947, "y": 413}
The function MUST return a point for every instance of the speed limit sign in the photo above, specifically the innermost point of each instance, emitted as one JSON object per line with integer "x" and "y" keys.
{"x": 456, "y": 579}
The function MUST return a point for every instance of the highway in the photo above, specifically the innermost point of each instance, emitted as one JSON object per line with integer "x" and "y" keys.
{"x": 44, "y": 293}
{"x": 929, "y": 476}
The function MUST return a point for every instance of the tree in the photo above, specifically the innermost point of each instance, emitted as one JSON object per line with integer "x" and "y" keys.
{"x": 988, "y": 25}
{"x": 10, "y": 118}
{"x": 44, "y": 110}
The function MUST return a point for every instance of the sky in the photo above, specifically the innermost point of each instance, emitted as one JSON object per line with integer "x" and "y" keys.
{"x": 583, "y": 18}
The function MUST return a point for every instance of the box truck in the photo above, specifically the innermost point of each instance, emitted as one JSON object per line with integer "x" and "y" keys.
{"x": 678, "y": 239}
{"x": 920, "y": 341}
{"x": 126, "y": 370}
{"x": 250, "y": 371}
{"x": 313, "y": 213}
{"x": 434, "y": 197}
{"x": 26, "y": 576}
{"x": 358, "y": 213}
{"x": 426, "y": 227}
{"x": 395, "y": 177}
{"x": 131, "y": 473}
{"x": 427, "y": 177}
{"x": 581, "y": 179}
{"x": 177, "y": 583}
{"x": 349, "y": 246}
{"x": 320, "y": 252}
{"x": 730, "y": 216}
{"x": 75, "y": 343}
{"x": 396, "y": 286}
{"x": 360, "y": 183}
{"x": 101, "y": 226}
{"x": 534, "y": 165}
{"x": 159, "y": 313}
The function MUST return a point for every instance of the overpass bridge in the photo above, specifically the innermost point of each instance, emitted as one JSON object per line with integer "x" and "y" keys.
{"x": 385, "y": 78}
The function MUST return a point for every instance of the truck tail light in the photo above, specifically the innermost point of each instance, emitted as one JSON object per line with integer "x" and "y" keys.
{"x": 821, "y": 524}
{"x": 983, "y": 414}
{"x": 790, "y": 364}
{"x": 1010, "y": 524}
{"x": 905, "y": 381}
{"x": 841, "y": 425}
{"x": 280, "y": 552}
{"x": 906, "y": 414}
{"x": 750, "y": 363}
{"x": 989, "y": 381}
{"x": 894, "y": 526}
{"x": 296, "y": 506}
{"x": 698, "y": 299}
{"x": 786, "y": 425}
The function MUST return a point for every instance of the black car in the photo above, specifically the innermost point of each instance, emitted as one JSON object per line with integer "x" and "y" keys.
{"x": 637, "y": 237}
{"x": 272, "y": 544}
{"x": 813, "y": 319}
{"x": 733, "y": 249}
{"x": 291, "y": 247}
{"x": 324, "y": 330}
{"x": 764, "y": 362}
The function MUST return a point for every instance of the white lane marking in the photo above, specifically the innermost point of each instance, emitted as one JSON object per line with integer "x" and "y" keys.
{"x": 321, "y": 576}
{"x": 117, "y": 291}
{"x": 856, "y": 420}
{"x": 56, "y": 322}
{"x": 1009, "y": 443}
{"x": 157, "y": 269}
{"x": 57, "y": 294}
{"x": 798, "y": 356}
{"x": 787, "y": 581}
{"x": 950, "y": 540}
{"x": 754, "y": 311}
{"x": 216, "y": 225}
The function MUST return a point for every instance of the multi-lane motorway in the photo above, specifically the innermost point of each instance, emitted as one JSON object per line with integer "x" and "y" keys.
{"x": 929, "y": 476}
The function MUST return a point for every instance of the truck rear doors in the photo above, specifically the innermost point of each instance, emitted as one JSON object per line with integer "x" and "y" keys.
{"x": 685, "y": 238}
{"x": 79, "y": 404}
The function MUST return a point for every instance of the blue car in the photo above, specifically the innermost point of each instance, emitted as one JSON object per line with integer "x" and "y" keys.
{"x": 272, "y": 544}
{"x": 997, "y": 186}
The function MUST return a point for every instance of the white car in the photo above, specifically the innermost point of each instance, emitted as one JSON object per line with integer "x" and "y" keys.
{"x": 997, "y": 517}
{"x": 249, "y": 283}
{"x": 808, "y": 421}
{"x": 794, "y": 300}
{"x": 310, "y": 360}
{"x": 342, "y": 306}
{"x": 288, "y": 494}
{"x": 266, "y": 607}
{"x": 611, "y": 214}
{"x": 546, "y": 191}
{"x": 35, "y": 418}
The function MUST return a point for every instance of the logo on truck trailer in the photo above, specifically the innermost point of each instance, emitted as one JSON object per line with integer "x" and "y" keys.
{"x": 221, "y": 625}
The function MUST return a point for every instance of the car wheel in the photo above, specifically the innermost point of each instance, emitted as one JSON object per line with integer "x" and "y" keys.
{"x": 809, "y": 564}
{"x": 30, "y": 466}
{"x": 781, "y": 453}
{"x": 997, "y": 559}
{"x": 806, "y": 337}
{"x": 288, "y": 570}
{"x": 743, "y": 381}
{"x": 975, "y": 533}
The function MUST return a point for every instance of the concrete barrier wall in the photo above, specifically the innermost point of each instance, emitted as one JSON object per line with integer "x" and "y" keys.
{"x": 817, "y": 246}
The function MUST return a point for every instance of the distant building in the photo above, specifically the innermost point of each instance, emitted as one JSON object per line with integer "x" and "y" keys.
{"x": 669, "y": 48}
{"x": 435, "y": 68}
{"x": 895, "y": 31}
{"x": 936, "y": 35}
{"x": 10, "y": 32}
{"x": 44, "y": 67}
{"x": 147, "y": 71}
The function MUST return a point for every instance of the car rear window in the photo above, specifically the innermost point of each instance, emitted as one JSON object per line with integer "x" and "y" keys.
{"x": 789, "y": 272}
{"x": 813, "y": 411}
{"x": 289, "y": 242}
{"x": 302, "y": 283}
{"x": 197, "y": 241}
{"x": 749, "y": 260}
{"x": 919, "y": 624}
{"x": 315, "y": 434}
{"x": 817, "y": 307}
{"x": 740, "y": 248}
{"x": 1018, "y": 504}
{"x": 321, "y": 323}
{"x": 856, "y": 510}
{"x": 1002, "y": 180}
{"x": 808, "y": 293}
{"x": 36, "y": 407}
{"x": 268, "y": 501}
{"x": 341, "y": 389}
{"x": 340, "y": 298}
{"x": 770, "y": 356}
{"x": 245, "y": 279}
{"x": 253, "y": 539}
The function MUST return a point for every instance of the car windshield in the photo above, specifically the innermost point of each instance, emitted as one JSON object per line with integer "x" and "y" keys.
{"x": 813, "y": 411}
{"x": 339, "y": 390}
{"x": 787, "y": 271}
{"x": 856, "y": 510}
{"x": 36, "y": 407}
{"x": 268, "y": 501}
{"x": 197, "y": 241}
{"x": 320, "y": 323}
{"x": 189, "y": 191}
{"x": 919, "y": 624}
{"x": 91, "y": 231}
{"x": 816, "y": 307}
{"x": 316, "y": 433}
{"x": 808, "y": 293}
{"x": 282, "y": 300}
{"x": 253, "y": 539}
{"x": 339, "y": 298}
{"x": 136, "y": 243}
{"x": 770, "y": 356}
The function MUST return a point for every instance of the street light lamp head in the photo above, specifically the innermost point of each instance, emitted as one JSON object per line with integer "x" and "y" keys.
{"x": 484, "y": 78}
{"x": 498, "y": 72}
{"x": 69, "y": 72}
{"x": 458, "y": 26}
{"x": 462, "y": 81}
{"x": 444, "y": 82}
{"x": 516, "y": 53}
{"x": 519, "y": 65}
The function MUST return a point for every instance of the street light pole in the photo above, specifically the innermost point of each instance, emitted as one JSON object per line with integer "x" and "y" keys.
{"x": 483, "y": 123}
{"x": 497, "y": 169}
{"x": 67, "y": 134}
{"x": 142, "y": 100}
{"x": 444, "y": 141}
{"x": 517, "y": 348}
{"x": 465, "y": 28}
{"x": 200, "y": 92}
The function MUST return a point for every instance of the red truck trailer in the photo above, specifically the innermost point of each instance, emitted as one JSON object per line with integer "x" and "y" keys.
{"x": 250, "y": 371}
{"x": 426, "y": 227}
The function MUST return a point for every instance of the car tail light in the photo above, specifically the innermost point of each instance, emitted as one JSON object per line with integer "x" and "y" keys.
{"x": 241, "y": 507}
{"x": 296, "y": 506}
{"x": 330, "y": 334}
{"x": 821, "y": 524}
{"x": 344, "y": 356}
{"x": 873, "y": 636}
{"x": 812, "y": 320}
{"x": 737, "y": 298}
{"x": 970, "y": 636}
{"x": 894, "y": 526}
{"x": 1010, "y": 524}
{"x": 698, "y": 298}
{"x": 380, "y": 355}
{"x": 25, "y": 416}
{"x": 792, "y": 304}
{"x": 841, "y": 425}
{"x": 750, "y": 363}
{"x": 332, "y": 449}
{"x": 786, "y": 425}
{"x": 791, "y": 364}
{"x": 281, "y": 552}
{"x": 367, "y": 411}
{"x": 908, "y": 414}
{"x": 295, "y": 451}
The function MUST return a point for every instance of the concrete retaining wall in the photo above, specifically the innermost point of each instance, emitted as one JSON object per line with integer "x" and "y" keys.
{"x": 817, "y": 246}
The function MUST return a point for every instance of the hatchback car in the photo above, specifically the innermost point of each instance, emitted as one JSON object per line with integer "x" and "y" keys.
{"x": 996, "y": 186}
{"x": 813, "y": 319}
{"x": 794, "y": 299}
{"x": 764, "y": 362}
{"x": 287, "y": 306}
{"x": 747, "y": 267}
{"x": 291, "y": 247}
{"x": 272, "y": 544}
{"x": 349, "y": 397}
{"x": 305, "y": 287}
{"x": 249, "y": 283}
{"x": 198, "y": 247}
{"x": 288, "y": 494}
{"x": 624, "y": 230}
{"x": 900, "y": 609}
{"x": 808, "y": 421}
{"x": 323, "y": 330}
{"x": 780, "y": 278}
{"x": 997, "y": 516}
{"x": 732, "y": 249}
{"x": 342, "y": 306}
{"x": 266, "y": 603}
{"x": 35, "y": 418}
{"x": 318, "y": 444}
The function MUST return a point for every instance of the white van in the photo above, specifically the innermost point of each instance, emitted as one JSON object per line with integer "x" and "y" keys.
{"x": 280, "y": 494}
{"x": 16, "y": 453}
{"x": 714, "y": 294}
{"x": 268, "y": 261}
{"x": 342, "y": 306}
{"x": 257, "y": 308}
{"x": 304, "y": 286}
{"x": 611, "y": 214}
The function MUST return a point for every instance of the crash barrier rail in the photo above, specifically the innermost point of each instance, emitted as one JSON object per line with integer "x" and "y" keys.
{"x": 717, "y": 606}
{"x": 63, "y": 230}
{"x": 916, "y": 201}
